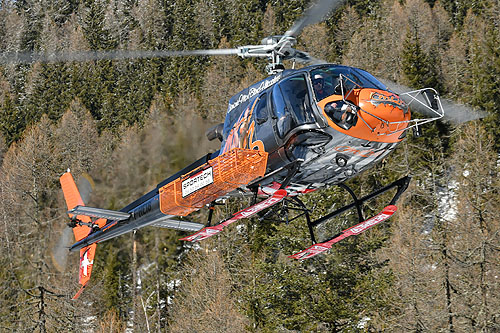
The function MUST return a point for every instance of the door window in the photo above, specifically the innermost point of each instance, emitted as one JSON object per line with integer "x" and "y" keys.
{"x": 291, "y": 104}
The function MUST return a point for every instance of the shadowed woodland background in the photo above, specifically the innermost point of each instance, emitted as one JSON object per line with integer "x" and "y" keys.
{"x": 131, "y": 123}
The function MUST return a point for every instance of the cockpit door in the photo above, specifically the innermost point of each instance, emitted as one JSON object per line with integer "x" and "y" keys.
{"x": 291, "y": 104}
{"x": 295, "y": 126}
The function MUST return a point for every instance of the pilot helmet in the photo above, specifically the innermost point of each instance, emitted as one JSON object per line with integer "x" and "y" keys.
{"x": 318, "y": 78}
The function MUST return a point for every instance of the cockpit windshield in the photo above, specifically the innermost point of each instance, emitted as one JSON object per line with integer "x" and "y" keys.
{"x": 326, "y": 80}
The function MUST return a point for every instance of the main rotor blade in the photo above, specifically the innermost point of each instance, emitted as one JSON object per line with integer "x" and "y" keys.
{"x": 455, "y": 113}
{"x": 460, "y": 113}
{"x": 305, "y": 58}
{"x": 31, "y": 57}
{"x": 314, "y": 14}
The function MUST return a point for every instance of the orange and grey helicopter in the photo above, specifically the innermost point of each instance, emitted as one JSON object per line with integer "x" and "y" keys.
{"x": 297, "y": 131}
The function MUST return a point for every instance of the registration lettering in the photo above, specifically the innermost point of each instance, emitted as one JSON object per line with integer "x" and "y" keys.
{"x": 197, "y": 182}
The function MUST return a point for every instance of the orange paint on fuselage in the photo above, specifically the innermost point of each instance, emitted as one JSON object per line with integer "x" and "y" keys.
{"x": 379, "y": 103}
{"x": 242, "y": 133}
{"x": 257, "y": 144}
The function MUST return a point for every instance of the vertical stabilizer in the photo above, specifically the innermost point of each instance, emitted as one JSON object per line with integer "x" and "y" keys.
{"x": 73, "y": 199}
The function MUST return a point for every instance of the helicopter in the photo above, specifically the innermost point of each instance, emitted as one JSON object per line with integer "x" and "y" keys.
{"x": 295, "y": 132}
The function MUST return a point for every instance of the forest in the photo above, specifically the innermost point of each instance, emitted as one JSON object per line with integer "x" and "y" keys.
{"x": 129, "y": 124}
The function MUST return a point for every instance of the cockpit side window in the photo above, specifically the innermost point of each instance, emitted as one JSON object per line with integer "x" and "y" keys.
{"x": 261, "y": 110}
{"x": 326, "y": 82}
{"x": 291, "y": 104}
{"x": 323, "y": 84}
{"x": 280, "y": 111}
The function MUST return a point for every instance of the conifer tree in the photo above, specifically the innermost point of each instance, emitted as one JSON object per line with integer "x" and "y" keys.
{"x": 342, "y": 30}
{"x": 10, "y": 122}
{"x": 206, "y": 301}
{"x": 417, "y": 65}
{"x": 317, "y": 43}
{"x": 476, "y": 234}
{"x": 485, "y": 74}
{"x": 51, "y": 93}
{"x": 246, "y": 21}
{"x": 456, "y": 67}
{"x": 3, "y": 148}
{"x": 287, "y": 12}
{"x": 94, "y": 26}
{"x": 220, "y": 84}
{"x": 76, "y": 144}
{"x": 12, "y": 27}
{"x": 153, "y": 27}
{"x": 32, "y": 12}
{"x": 185, "y": 71}
{"x": 458, "y": 9}
{"x": 120, "y": 21}
{"x": 27, "y": 179}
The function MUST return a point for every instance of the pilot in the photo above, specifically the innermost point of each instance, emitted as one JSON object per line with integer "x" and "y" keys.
{"x": 319, "y": 87}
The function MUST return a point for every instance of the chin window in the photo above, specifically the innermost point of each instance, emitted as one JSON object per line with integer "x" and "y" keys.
{"x": 342, "y": 114}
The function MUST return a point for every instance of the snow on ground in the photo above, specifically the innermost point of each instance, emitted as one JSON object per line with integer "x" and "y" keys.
{"x": 447, "y": 206}
{"x": 88, "y": 324}
{"x": 363, "y": 322}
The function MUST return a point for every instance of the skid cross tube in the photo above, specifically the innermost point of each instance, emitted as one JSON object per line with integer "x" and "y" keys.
{"x": 292, "y": 169}
{"x": 289, "y": 204}
{"x": 308, "y": 218}
{"x": 357, "y": 202}
{"x": 402, "y": 185}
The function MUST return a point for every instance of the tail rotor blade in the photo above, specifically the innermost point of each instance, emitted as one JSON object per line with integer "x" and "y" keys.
{"x": 85, "y": 186}
{"x": 60, "y": 251}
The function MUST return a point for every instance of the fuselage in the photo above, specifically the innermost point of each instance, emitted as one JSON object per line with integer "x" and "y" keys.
{"x": 336, "y": 130}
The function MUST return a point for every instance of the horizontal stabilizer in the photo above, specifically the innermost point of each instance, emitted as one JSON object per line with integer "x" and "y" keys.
{"x": 178, "y": 225}
{"x": 112, "y": 215}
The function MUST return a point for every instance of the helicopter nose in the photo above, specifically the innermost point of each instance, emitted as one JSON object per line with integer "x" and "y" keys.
{"x": 385, "y": 113}
{"x": 370, "y": 114}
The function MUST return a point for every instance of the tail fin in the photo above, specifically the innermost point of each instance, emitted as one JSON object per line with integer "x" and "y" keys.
{"x": 73, "y": 199}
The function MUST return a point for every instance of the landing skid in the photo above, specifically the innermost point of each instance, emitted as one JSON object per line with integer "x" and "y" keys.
{"x": 245, "y": 213}
{"x": 387, "y": 212}
{"x": 295, "y": 204}
{"x": 356, "y": 230}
